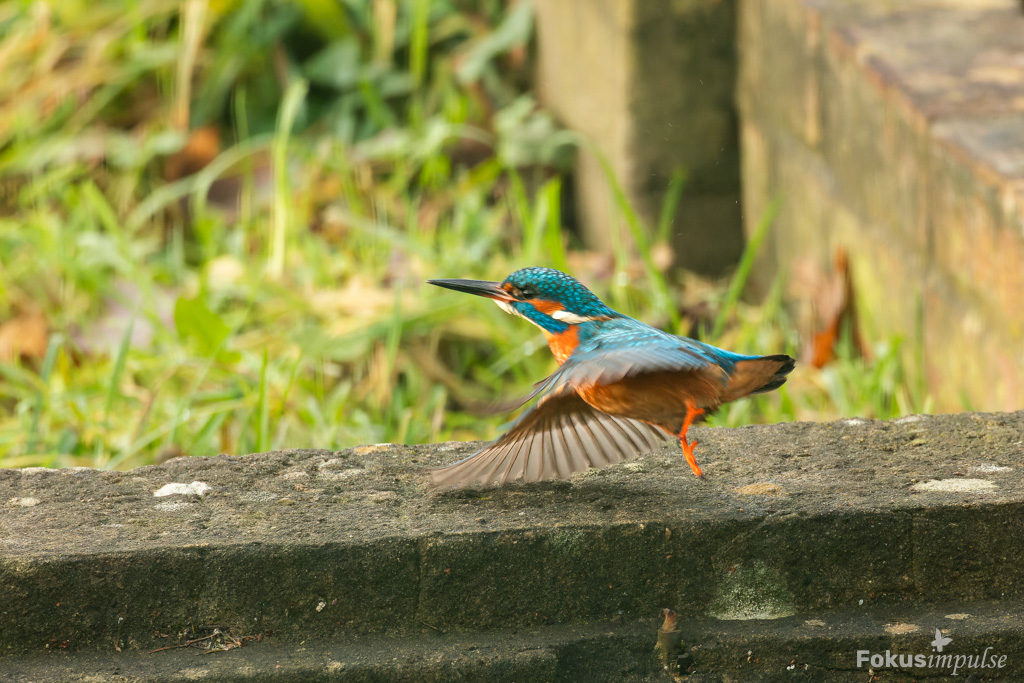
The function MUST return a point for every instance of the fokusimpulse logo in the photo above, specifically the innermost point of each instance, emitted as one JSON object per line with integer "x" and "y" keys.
{"x": 937, "y": 659}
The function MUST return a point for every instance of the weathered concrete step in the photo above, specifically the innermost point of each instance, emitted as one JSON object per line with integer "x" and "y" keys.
{"x": 821, "y": 647}
{"x": 792, "y": 518}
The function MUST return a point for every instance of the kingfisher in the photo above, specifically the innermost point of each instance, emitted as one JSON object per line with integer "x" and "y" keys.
{"x": 621, "y": 388}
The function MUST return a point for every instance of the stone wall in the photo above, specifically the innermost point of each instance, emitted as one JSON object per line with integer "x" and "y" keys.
{"x": 896, "y": 131}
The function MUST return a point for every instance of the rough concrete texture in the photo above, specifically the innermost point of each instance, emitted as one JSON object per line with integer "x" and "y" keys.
{"x": 789, "y": 649}
{"x": 896, "y": 131}
{"x": 650, "y": 84}
{"x": 339, "y": 558}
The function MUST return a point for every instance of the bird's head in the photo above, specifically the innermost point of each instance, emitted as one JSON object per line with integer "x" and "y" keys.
{"x": 548, "y": 298}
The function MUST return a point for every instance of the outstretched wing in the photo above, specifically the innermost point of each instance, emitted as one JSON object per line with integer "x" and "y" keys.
{"x": 561, "y": 435}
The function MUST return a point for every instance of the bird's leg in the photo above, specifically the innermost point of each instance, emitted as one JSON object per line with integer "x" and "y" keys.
{"x": 692, "y": 411}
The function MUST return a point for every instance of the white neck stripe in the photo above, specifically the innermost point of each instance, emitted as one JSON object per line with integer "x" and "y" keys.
{"x": 572, "y": 318}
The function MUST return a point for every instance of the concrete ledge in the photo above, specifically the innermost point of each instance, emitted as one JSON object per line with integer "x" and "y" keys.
{"x": 313, "y": 546}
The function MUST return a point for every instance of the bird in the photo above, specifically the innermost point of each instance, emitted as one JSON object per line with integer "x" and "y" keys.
{"x": 621, "y": 388}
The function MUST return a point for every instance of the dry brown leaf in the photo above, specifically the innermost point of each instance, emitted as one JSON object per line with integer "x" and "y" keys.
{"x": 23, "y": 337}
{"x": 830, "y": 302}
{"x": 202, "y": 147}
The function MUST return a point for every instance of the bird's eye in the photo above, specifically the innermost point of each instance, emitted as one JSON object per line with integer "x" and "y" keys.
{"x": 526, "y": 292}
{"x": 516, "y": 292}
{"x": 511, "y": 289}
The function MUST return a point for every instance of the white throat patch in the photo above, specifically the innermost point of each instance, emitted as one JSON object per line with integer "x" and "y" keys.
{"x": 507, "y": 307}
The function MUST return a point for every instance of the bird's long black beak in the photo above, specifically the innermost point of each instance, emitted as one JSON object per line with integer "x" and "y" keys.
{"x": 485, "y": 288}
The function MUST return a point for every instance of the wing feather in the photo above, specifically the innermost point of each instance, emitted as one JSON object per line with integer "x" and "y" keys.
{"x": 560, "y": 436}
{"x": 559, "y": 449}
{"x": 587, "y": 441}
{"x": 577, "y": 448}
{"x": 518, "y": 460}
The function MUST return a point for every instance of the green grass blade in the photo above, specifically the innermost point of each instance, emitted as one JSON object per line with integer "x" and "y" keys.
{"x": 293, "y": 98}
{"x": 739, "y": 278}
{"x": 671, "y": 205}
{"x": 663, "y": 298}
{"x": 263, "y": 409}
{"x": 113, "y": 386}
{"x": 55, "y": 343}
{"x": 554, "y": 242}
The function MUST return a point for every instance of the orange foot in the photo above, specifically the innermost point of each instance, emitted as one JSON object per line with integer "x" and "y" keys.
{"x": 692, "y": 411}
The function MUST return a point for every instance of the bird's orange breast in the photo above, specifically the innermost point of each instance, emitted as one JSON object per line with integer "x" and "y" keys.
{"x": 562, "y": 344}
{"x": 658, "y": 398}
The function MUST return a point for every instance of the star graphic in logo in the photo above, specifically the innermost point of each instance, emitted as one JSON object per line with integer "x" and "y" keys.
{"x": 940, "y": 641}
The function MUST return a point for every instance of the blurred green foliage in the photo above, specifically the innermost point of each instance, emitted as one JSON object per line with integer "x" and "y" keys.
{"x": 215, "y": 221}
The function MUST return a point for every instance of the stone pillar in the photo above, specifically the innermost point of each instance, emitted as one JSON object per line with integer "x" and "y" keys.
{"x": 650, "y": 83}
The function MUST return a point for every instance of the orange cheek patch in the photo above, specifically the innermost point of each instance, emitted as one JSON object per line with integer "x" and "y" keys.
{"x": 547, "y": 307}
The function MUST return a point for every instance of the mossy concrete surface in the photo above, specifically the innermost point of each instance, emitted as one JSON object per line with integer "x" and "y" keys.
{"x": 790, "y": 649}
{"x": 308, "y": 547}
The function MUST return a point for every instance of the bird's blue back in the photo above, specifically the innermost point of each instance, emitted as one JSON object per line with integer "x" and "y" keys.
{"x": 626, "y": 334}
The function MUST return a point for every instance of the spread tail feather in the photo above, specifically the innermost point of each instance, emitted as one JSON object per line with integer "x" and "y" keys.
{"x": 757, "y": 375}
